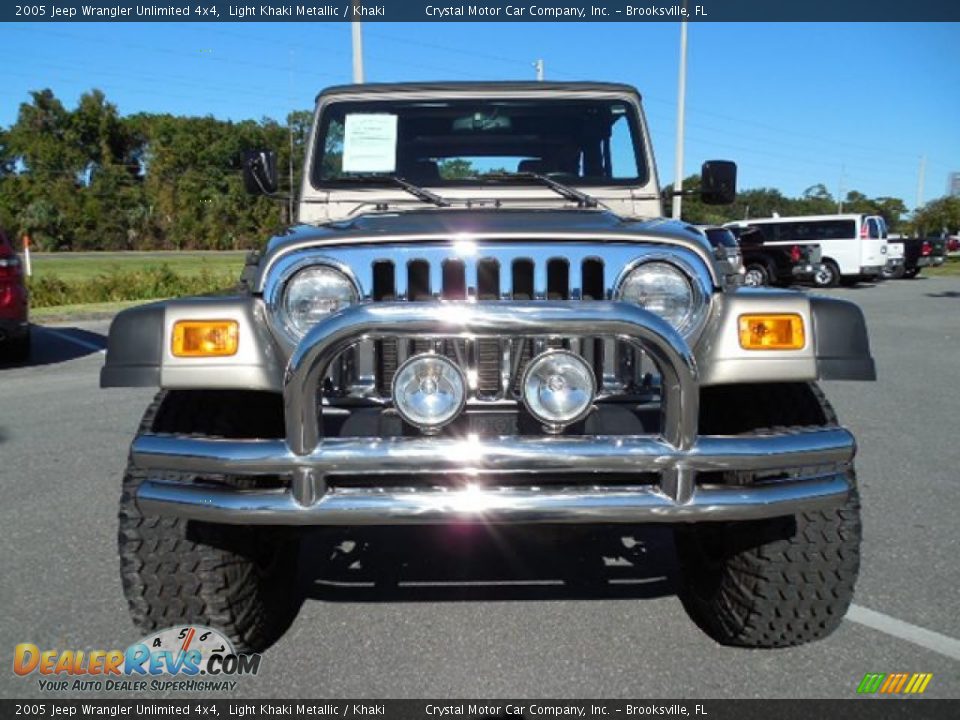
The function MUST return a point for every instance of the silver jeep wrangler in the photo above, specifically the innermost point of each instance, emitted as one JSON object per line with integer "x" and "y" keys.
{"x": 481, "y": 317}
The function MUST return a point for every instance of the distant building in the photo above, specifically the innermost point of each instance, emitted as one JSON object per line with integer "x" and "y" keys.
{"x": 953, "y": 184}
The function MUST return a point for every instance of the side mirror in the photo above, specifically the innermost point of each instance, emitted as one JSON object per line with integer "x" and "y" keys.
{"x": 718, "y": 182}
{"x": 260, "y": 172}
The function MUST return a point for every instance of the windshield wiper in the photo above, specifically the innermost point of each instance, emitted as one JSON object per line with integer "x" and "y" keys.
{"x": 571, "y": 193}
{"x": 415, "y": 190}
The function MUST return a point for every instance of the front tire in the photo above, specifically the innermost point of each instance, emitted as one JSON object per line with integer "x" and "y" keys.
{"x": 756, "y": 275}
{"x": 778, "y": 582}
{"x": 237, "y": 579}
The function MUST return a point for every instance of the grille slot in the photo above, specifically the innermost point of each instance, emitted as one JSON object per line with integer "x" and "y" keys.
{"x": 522, "y": 279}
{"x": 384, "y": 285}
{"x": 385, "y": 351}
{"x": 558, "y": 279}
{"x": 418, "y": 280}
{"x": 419, "y": 290}
{"x": 454, "y": 280}
{"x": 592, "y": 286}
{"x": 489, "y": 352}
{"x": 488, "y": 280}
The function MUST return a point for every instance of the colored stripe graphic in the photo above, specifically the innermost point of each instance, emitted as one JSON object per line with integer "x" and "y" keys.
{"x": 894, "y": 683}
{"x": 889, "y": 682}
{"x": 914, "y": 682}
{"x": 871, "y": 682}
{"x": 922, "y": 685}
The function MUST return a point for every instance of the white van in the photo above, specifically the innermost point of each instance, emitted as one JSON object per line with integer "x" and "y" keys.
{"x": 853, "y": 247}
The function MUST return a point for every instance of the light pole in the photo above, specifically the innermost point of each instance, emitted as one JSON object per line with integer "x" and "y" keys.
{"x": 681, "y": 102}
{"x": 357, "y": 37}
{"x": 921, "y": 176}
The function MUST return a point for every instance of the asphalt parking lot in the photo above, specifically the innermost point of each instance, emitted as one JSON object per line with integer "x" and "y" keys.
{"x": 447, "y": 613}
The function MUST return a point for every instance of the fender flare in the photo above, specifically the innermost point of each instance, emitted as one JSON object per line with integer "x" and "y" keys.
{"x": 138, "y": 347}
{"x": 842, "y": 344}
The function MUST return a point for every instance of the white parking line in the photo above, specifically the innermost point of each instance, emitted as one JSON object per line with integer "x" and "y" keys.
{"x": 938, "y": 643}
{"x": 74, "y": 340}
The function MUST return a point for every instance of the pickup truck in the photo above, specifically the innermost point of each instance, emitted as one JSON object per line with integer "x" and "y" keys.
{"x": 916, "y": 254}
{"x": 524, "y": 345}
{"x": 774, "y": 264}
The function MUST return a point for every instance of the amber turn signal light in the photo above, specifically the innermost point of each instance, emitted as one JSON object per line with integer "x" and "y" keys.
{"x": 205, "y": 338}
{"x": 771, "y": 332}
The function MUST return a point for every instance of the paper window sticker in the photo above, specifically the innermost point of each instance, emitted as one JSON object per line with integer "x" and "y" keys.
{"x": 370, "y": 143}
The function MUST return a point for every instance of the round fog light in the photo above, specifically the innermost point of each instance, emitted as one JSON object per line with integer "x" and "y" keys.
{"x": 558, "y": 388}
{"x": 429, "y": 391}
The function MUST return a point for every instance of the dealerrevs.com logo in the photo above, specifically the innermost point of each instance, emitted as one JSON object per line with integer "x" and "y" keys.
{"x": 186, "y": 658}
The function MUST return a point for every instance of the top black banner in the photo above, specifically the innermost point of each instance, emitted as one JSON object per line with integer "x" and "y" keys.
{"x": 483, "y": 11}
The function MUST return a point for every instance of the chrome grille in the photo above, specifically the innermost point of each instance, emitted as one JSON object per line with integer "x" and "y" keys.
{"x": 486, "y": 361}
{"x": 469, "y": 270}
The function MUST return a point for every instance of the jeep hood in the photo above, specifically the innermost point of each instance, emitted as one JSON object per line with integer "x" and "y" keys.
{"x": 428, "y": 224}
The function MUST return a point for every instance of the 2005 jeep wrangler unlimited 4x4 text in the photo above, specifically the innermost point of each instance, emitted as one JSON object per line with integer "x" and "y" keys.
{"x": 481, "y": 318}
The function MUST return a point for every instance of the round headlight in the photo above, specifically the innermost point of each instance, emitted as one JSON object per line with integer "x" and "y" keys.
{"x": 314, "y": 293}
{"x": 664, "y": 290}
{"x": 429, "y": 391}
{"x": 558, "y": 388}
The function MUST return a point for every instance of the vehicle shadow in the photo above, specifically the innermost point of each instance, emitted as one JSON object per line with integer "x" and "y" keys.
{"x": 50, "y": 346}
{"x": 944, "y": 294}
{"x": 461, "y": 563}
{"x": 860, "y": 285}
{"x": 808, "y": 288}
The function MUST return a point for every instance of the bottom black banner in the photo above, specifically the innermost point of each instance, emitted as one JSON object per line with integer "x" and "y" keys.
{"x": 876, "y": 709}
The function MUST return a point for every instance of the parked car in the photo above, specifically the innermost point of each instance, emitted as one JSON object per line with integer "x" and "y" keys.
{"x": 14, "y": 305}
{"x": 766, "y": 264}
{"x": 853, "y": 247}
{"x": 524, "y": 347}
{"x": 726, "y": 251}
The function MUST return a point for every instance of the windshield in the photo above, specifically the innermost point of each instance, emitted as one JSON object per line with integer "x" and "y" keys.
{"x": 721, "y": 237}
{"x": 445, "y": 143}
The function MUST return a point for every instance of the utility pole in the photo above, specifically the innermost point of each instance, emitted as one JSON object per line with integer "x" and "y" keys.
{"x": 357, "y": 37}
{"x": 921, "y": 173}
{"x": 681, "y": 108}
{"x": 290, "y": 132}
{"x": 840, "y": 190}
{"x": 539, "y": 66}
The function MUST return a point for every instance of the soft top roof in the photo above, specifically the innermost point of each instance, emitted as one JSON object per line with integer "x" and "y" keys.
{"x": 466, "y": 87}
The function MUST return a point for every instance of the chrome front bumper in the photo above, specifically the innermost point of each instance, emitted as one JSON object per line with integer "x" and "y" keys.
{"x": 816, "y": 457}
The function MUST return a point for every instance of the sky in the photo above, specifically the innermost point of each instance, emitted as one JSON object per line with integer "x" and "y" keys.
{"x": 852, "y": 106}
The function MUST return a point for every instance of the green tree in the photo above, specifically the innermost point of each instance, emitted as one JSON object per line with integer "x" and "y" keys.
{"x": 816, "y": 200}
{"x": 456, "y": 169}
{"x": 938, "y": 216}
